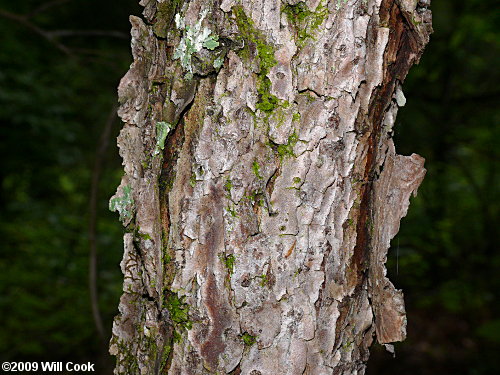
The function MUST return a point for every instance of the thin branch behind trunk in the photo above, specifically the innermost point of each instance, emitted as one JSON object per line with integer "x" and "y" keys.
{"x": 96, "y": 172}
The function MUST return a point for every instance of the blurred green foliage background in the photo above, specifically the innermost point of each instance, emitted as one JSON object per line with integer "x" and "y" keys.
{"x": 60, "y": 64}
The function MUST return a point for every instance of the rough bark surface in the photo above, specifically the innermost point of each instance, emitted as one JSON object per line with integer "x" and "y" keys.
{"x": 257, "y": 232}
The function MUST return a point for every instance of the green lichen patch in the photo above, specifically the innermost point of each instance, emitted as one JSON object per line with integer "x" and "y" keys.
{"x": 218, "y": 62}
{"x": 123, "y": 204}
{"x": 195, "y": 38}
{"x": 255, "y": 39}
{"x": 340, "y": 3}
{"x": 162, "y": 130}
{"x": 347, "y": 346}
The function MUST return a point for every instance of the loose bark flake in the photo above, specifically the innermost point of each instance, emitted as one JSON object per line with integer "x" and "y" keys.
{"x": 257, "y": 235}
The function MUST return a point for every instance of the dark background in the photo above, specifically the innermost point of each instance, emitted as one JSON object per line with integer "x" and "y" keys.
{"x": 60, "y": 64}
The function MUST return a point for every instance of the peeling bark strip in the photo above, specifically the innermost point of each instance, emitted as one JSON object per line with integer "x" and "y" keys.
{"x": 261, "y": 187}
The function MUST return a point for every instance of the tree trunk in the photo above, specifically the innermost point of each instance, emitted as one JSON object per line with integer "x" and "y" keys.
{"x": 261, "y": 186}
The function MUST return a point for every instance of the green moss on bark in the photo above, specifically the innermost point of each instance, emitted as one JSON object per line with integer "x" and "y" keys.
{"x": 305, "y": 21}
{"x": 253, "y": 37}
{"x": 165, "y": 13}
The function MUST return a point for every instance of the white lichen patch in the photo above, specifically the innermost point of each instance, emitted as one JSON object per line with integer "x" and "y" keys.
{"x": 400, "y": 97}
{"x": 194, "y": 40}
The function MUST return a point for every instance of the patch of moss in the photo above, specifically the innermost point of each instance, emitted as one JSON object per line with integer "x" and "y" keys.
{"x": 192, "y": 180}
{"x": 263, "y": 280}
{"x": 254, "y": 198}
{"x": 126, "y": 358}
{"x": 165, "y": 354}
{"x": 167, "y": 256}
{"x": 256, "y": 170}
{"x": 287, "y": 149}
{"x": 177, "y": 337}
{"x": 297, "y": 12}
{"x": 228, "y": 185}
{"x": 166, "y": 181}
{"x": 232, "y": 211}
{"x": 305, "y": 21}
{"x": 141, "y": 235}
{"x": 228, "y": 261}
{"x": 165, "y": 13}
{"x": 248, "y": 339}
{"x": 265, "y": 52}
{"x": 179, "y": 312}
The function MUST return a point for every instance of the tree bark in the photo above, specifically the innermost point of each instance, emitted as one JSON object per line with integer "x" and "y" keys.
{"x": 261, "y": 187}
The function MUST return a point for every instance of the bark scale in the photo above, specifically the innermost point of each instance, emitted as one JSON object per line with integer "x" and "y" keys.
{"x": 261, "y": 186}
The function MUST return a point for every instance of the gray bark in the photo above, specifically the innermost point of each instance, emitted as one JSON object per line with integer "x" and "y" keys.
{"x": 256, "y": 236}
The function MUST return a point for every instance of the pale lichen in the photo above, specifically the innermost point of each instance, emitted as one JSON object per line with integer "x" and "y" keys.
{"x": 123, "y": 204}
{"x": 400, "y": 97}
{"x": 194, "y": 40}
{"x": 218, "y": 62}
{"x": 162, "y": 130}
